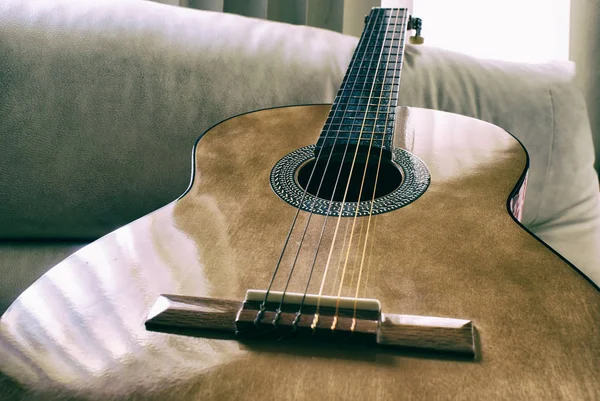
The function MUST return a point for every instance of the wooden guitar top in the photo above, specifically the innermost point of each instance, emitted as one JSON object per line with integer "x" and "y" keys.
{"x": 78, "y": 332}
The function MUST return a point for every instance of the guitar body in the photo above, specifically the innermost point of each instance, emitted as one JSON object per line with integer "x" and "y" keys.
{"x": 454, "y": 252}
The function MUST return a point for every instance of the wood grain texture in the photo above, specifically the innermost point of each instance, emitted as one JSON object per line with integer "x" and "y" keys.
{"x": 432, "y": 333}
{"x": 78, "y": 332}
{"x": 176, "y": 311}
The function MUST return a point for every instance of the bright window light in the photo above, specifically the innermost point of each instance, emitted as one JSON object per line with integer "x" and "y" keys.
{"x": 514, "y": 30}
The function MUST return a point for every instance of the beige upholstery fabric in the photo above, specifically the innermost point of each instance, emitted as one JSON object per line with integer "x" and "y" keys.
{"x": 102, "y": 100}
{"x": 584, "y": 46}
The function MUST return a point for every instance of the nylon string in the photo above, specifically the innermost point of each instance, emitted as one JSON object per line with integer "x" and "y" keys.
{"x": 298, "y": 314}
{"x": 396, "y": 65}
{"x": 361, "y": 190}
{"x": 263, "y": 304}
{"x": 316, "y": 315}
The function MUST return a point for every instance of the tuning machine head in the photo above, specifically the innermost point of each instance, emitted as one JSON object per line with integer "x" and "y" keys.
{"x": 415, "y": 24}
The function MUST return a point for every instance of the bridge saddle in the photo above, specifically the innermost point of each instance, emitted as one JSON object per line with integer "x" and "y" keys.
{"x": 309, "y": 315}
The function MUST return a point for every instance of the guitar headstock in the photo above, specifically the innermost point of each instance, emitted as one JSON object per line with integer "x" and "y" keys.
{"x": 413, "y": 24}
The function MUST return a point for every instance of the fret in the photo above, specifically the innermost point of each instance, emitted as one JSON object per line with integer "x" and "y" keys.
{"x": 378, "y": 45}
{"x": 380, "y": 57}
{"x": 350, "y": 124}
{"x": 383, "y": 100}
{"x": 371, "y": 72}
{"x": 377, "y": 59}
{"x": 368, "y": 90}
{"x": 359, "y": 115}
{"x": 372, "y": 90}
{"x": 365, "y": 103}
{"x": 363, "y": 134}
{"x": 351, "y": 110}
{"x": 354, "y": 137}
{"x": 342, "y": 112}
{"x": 362, "y": 107}
{"x": 360, "y": 124}
{"x": 382, "y": 73}
{"x": 377, "y": 49}
{"x": 366, "y": 132}
{"x": 367, "y": 71}
{"x": 379, "y": 68}
{"x": 386, "y": 58}
{"x": 375, "y": 143}
{"x": 377, "y": 55}
{"x": 378, "y": 87}
{"x": 387, "y": 80}
{"x": 339, "y": 136}
{"x": 389, "y": 77}
{"x": 344, "y": 131}
{"x": 376, "y": 98}
{"x": 390, "y": 73}
{"x": 366, "y": 100}
{"x": 366, "y": 81}
{"x": 354, "y": 140}
{"x": 382, "y": 121}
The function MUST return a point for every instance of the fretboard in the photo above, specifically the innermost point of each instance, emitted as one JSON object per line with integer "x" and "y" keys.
{"x": 364, "y": 109}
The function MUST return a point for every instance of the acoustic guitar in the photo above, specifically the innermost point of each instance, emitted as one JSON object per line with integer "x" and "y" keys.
{"x": 360, "y": 250}
{"x": 332, "y": 215}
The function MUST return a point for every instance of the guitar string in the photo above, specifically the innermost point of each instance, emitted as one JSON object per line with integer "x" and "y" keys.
{"x": 263, "y": 304}
{"x": 355, "y": 258}
{"x": 398, "y": 67}
{"x": 316, "y": 315}
{"x": 368, "y": 269}
{"x": 364, "y": 174}
{"x": 273, "y": 276}
{"x": 311, "y": 213}
{"x": 371, "y": 20}
{"x": 342, "y": 249}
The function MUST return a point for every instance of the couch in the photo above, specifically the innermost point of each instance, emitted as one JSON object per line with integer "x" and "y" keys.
{"x": 101, "y": 102}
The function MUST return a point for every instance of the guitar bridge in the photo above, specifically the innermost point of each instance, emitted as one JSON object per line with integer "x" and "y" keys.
{"x": 312, "y": 318}
{"x": 325, "y": 317}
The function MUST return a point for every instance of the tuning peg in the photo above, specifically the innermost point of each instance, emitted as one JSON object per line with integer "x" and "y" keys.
{"x": 416, "y": 23}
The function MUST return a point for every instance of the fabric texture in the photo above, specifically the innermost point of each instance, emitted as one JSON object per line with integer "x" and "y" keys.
{"x": 101, "y": 102}
{"x": 584, "y": 49}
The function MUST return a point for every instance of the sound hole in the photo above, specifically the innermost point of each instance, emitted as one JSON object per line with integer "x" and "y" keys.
{"x": 389, "y": 179}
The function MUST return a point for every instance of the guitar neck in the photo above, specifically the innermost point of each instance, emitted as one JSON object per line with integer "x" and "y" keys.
{"x": 363, "y": 112}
